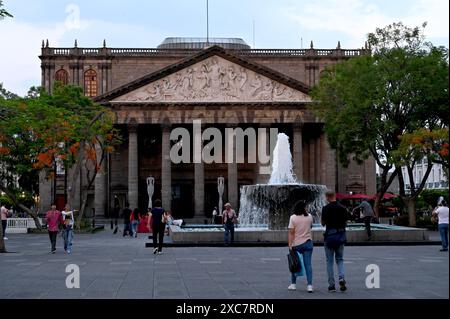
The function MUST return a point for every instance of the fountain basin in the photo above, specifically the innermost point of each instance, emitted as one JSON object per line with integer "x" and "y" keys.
{"x": 272, "y": 204}
{"x": 214, "y": 234}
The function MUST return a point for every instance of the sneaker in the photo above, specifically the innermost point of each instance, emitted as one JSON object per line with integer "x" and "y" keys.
{"x": 53, "y": 251}
{"x": 310, "y": 288}
{"x": 155, "y": 251}
{"x": 332, "y": 289}
{"x": 5, "y": 238}
{"x": 69, "y": 252}
{"x": 342, "y": 286}
{"x": 292, "y": 287}
{"x": 443, "y": 249}
{"x": 159, "y": 252}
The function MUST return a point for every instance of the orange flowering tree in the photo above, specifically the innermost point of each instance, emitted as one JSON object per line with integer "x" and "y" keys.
{"x": 41, "y": 130}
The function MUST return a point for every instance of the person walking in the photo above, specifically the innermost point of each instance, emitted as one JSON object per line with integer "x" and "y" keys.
{"x": 134, "y": 220}
{"x": 367, "y": 212}
{"x": 4, "y": 216}
{"x": 300, "y": 240}
{"x": 229, "y": 220}
{"x": 442, "y": 214}
{"x": 158, "y": 227}
{"x": 54, "y": 219}
{"x": 334, "y": 218}
{"x": 68, "y": 222}
{"x": 126, "y": 214}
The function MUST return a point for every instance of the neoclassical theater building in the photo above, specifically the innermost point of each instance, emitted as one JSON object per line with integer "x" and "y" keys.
{"x": 224, "y": 83}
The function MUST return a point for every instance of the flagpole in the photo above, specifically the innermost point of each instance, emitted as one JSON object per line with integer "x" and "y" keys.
{"x": 207, "y": 22}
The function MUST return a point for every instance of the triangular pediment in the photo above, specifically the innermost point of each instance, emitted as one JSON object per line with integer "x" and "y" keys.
{"x": 211, "y": 76}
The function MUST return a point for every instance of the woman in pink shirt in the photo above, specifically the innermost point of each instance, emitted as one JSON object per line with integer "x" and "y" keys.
{"x": 300, "y": 240}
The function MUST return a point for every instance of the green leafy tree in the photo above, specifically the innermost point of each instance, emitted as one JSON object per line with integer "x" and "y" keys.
{"x": 41, "y": 129}
{"x": 3, "y": 12}
{"x": 369, "y": 102}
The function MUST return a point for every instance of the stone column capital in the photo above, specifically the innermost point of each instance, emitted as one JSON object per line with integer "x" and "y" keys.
{"x": 298, "y": 125}
{"x": 132, "y": 128}
{"x": 166, "y": 126}
{"x": 265, "y": 125}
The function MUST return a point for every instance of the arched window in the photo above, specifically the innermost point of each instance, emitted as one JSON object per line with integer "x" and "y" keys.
{"x": 62, "y": 76}
{"x": 90, "y": 83}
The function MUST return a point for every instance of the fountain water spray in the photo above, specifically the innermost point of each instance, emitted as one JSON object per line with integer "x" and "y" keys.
{"x": 270, "y": 205}
{"x": 282, "y": 172}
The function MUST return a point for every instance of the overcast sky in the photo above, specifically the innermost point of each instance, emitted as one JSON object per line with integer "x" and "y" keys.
{"x": 136, "y": 23}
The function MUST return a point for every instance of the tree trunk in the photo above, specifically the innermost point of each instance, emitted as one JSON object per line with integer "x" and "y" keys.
{"x": 28, "y": 211}
{"x": 411, "y": 204}
{"x": 2, "y": 242}
{"x": 82, "y": 208}
{"x": 376, "y": 207}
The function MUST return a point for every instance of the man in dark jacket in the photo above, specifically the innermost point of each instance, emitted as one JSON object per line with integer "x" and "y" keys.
{"x": 334, "y": 218}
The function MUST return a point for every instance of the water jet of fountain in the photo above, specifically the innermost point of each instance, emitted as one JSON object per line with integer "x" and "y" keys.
{"x": 271, "y": 204}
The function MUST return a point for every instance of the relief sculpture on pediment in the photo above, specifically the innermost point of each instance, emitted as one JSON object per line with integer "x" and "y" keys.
{"x": 214, "y": 80}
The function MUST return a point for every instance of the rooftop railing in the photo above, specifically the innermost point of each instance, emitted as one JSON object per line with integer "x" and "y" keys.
{"x": 47, "y": 51}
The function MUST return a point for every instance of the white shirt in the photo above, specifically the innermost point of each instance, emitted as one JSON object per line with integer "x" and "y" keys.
{"x": 442, "y": 213}
{"x": 70, "y": 213}
{"x": 4, "y": 213}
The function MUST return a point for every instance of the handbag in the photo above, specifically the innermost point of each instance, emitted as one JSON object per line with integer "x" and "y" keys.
{"x": 302, "y": 271}
{"x": 293, "y": 261}
{"x": 335, "y": 238}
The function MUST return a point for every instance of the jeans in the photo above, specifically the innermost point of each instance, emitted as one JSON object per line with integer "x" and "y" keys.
{"x": 134, "y": 226}
{"x": 367, "y": 221}
{"x": 229, "y": 229}
{"x": 443, "y": 231}
{"x": 68, "y": 236}
{"x": 4, "y": 223}
{"x": 306, "y": 250}
{"x": 331, "y": 254}
{"x": 52, "y": 235}
{"x": 127, "y": 229}
{"x": 158, "y": 233}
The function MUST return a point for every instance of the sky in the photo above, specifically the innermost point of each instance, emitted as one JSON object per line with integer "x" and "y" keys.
{"x": 137, "y": 23}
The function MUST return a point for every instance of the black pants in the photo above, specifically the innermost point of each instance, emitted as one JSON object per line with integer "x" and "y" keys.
{"x": 52, "y": 235}
{"x": 4, "y": 223}
{"x": 367, "y": 221}
{"x": 158, "y": 234}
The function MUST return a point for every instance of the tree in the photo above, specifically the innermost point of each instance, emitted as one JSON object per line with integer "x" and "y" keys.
{"x": 85, "y": 149}
{"x": 3, "y": 12}
{"x": 41, "y": 129}
{"x": 368, "y": 102}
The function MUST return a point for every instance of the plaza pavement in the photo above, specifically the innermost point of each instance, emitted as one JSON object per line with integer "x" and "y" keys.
{"x": 115, "y": 267}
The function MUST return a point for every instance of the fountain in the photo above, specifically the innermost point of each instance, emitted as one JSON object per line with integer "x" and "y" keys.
{"x": 270, "y": 205}
{"x": 265, "y": 210}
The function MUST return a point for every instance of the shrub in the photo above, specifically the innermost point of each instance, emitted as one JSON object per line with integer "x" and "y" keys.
{"x": 402, "y": 220}
{"x": 425, "y": 222}
{"x": 431, "y": 196}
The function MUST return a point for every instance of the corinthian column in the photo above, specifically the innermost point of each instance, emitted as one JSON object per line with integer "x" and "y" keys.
{"x": 232, "y": 171}
{"x": 298, "y": 150}
{"x": 133, "y": 166}
{"x": 199, "y": 179}
{"x": 166, "y": 169}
